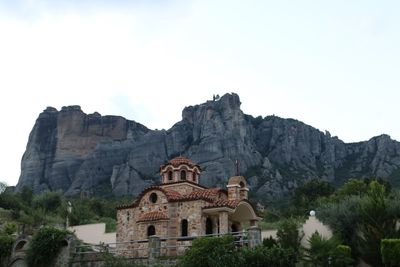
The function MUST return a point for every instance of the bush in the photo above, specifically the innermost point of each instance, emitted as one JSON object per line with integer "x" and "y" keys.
{"x": 269, "y": 242}
{"x": 44, "y": 246}
{"x": 6, "y": 243}
{"x": 327, "y": 252}
{"x": 390, "y": 250}
{"x": 115, "y": 261}
{"x": 343, "y": 256}
{"x": 211, "y": 252}
{"x": 263, "y": 256}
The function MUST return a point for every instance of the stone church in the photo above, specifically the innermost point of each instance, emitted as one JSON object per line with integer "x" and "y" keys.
{"x": 179, "y": 207}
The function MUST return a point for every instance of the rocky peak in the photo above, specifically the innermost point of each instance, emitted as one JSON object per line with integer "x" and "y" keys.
{"x": 74, "y": 152}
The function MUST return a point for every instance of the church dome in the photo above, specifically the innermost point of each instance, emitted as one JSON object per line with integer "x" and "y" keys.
{"x": 181, "y": 160}
{"x": 180, "y": 169}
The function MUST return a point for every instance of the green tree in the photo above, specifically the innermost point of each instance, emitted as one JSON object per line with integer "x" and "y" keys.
{"x": 353, "y": 187}
{"x": 3, "y": 187}
{"x": 26, "y": 195}
{"x": 306, "y": 196}
{"x": 48, "y": 201}
{"x": 289, "y": 236}
{"x": 362, "y": 221}
{"x": 376, "y": 223}
{"x": 45, "y": 246}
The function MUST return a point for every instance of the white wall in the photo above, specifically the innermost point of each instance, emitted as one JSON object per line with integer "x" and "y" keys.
{"x": 93, "y": 233}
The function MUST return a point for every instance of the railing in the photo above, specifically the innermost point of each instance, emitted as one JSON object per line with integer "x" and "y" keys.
{"x": 155, "y": 246}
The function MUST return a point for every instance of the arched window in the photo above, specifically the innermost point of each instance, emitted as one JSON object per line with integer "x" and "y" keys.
{"x": 241, "y": 184}
{"x": 170, "y": 176}
{"x": 183, "y": 175}
{"x": 20, "y": 245}
{"x": 209, "y": 226}
{"x": 184, "y": 227}
{"x": 151, "y": 230}
{"x": 153, "y": 198}
{"x": 194, "y": 176}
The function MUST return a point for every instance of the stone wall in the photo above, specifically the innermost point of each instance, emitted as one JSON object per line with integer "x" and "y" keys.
{"x": 192, "y": 212}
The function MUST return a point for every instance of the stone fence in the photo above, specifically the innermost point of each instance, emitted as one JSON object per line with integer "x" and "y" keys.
{"x": 154, "y": 251}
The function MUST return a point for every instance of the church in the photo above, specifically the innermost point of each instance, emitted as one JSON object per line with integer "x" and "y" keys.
{"x": 181, "y": 208}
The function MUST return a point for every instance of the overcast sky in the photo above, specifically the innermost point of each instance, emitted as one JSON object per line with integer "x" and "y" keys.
{"x": 332, "y": 64}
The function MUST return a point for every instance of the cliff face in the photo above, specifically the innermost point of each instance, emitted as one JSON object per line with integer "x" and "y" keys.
{"x": 75, "y": 152}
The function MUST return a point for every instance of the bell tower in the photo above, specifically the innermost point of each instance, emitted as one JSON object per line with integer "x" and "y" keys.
{"x": 180, "y": 169}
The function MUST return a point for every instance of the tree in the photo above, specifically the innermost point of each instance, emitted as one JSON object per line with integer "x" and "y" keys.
{"x": 306, "y": 195}
{"x": 353, "y": 187}
{"x": 362, "y": 221}
{"x": 376, "y": 223}
{"x": 289, "y": 236}
{"x": 3, "y": 187}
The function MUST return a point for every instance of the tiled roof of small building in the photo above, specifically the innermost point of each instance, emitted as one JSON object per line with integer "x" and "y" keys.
{"x": 152, "y": 216}
{"x": 172, "y": 194}
{"x": 208, "y": 194}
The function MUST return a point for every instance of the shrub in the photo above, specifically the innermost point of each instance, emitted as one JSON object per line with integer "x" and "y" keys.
{"x": 342, "y": 256}
{"x": 6, "y": 243}
{"x": 390, "y": 250}
{"x": 44, "y": 246}
{"x": 115, "y": 261}
{"x": 211, "y": 252}
{"x": 261, "y": 256}
{"x": 327, "y": 252}
{"x": 269, "y": 242}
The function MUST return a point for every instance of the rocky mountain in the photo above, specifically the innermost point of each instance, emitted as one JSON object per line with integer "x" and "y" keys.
{"x": 74, "y": 152}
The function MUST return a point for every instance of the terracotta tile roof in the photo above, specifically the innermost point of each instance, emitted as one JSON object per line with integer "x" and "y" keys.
{"x": 172, "y": 194}
{"x": 224, "y": 203}
{"x": 152, "y": 216}
{"x": 180, "y": 160}
{"x": 210, "y": 193}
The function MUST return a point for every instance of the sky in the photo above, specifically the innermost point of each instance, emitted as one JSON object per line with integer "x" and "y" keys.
{"x": 334, "y": 65}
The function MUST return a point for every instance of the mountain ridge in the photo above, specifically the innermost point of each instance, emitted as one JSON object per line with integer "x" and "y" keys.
{"x": 75, "y": 152}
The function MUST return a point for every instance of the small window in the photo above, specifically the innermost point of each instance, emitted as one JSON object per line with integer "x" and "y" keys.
{"x": 151, "y": 230}
{"x": 170, "y": 176}
{"x": 184, "y": 228}
{"x": 234, "y": 228}
{"x": 241, "y": 184}
{"x": 153, "y": 198}
{"x": 194, "y": 176}
{"x": 209, "y": 226}
{"x": 183, "y": 175}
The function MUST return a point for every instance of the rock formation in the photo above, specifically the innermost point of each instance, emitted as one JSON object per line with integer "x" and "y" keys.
{"x": 74, "y": 152}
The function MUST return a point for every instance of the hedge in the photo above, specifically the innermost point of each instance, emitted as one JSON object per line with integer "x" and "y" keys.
{"x": 390, "y": 250}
